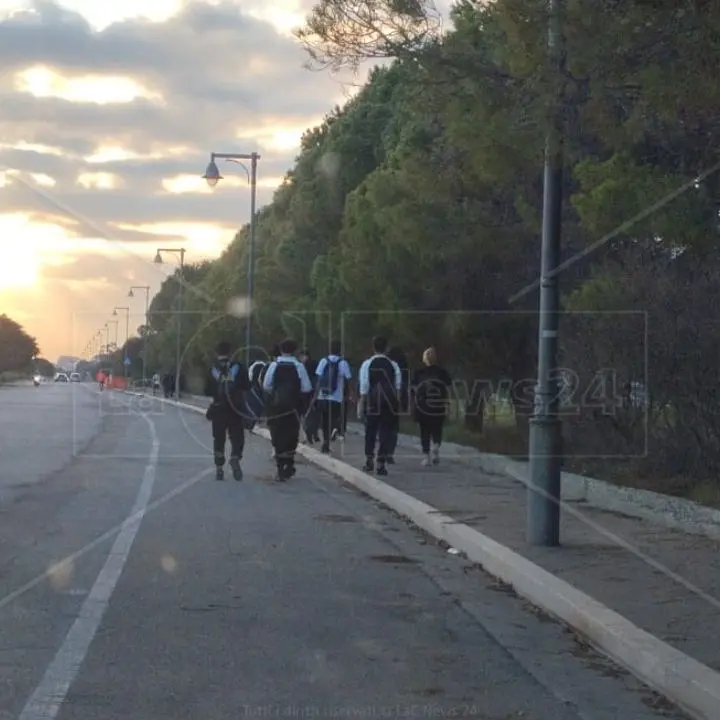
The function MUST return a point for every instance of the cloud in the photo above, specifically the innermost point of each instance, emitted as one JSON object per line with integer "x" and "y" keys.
{"x": 214, "y": 78}
{"x": 106, "y": 132}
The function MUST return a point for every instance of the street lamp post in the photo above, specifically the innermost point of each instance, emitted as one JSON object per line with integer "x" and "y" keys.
{"x": 127, "y": 333}
{"x": 131, "y": 294}
{"x": 158, "y": 259}
{"x": 212, "y": 176}
{"x": 543, "y": 497}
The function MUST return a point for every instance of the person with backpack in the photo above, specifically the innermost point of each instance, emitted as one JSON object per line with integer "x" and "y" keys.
{"x": 288, "y": 389}
{"x": 431, "y": 392}
{"x": 333, "y": 374}
{"x": 380, "y": 383}
{"x": 397, "y": 355}
{"x": 226, "y": 383}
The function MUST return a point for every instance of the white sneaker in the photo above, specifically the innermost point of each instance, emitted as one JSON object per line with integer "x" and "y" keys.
{"x": 427, "y": 461}
{"x": 436, "y": 454}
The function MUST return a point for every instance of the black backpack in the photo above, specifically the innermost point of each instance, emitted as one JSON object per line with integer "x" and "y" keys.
{"x": 383, "y": 393}
{"x": 285, "y": 394}
{"x": 330, "y": 377}
{"x": 225, "y": 374}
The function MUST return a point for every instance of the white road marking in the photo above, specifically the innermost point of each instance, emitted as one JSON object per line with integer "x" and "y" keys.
{"x": 45, "y": 702}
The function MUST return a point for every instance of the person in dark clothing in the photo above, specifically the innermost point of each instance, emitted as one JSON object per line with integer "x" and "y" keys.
{"x": 397, "y": 355}
{"x": 288, "y": 390}
{"x": 380, "y": 383}
{"x": 430, "y": 393}
{"x": 167, "y": 383}
{"x": 227, "y": 382}
{"x": 313, "y": 416}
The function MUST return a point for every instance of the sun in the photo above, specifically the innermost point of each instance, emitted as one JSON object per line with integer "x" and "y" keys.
{"x": 18, "y": 267}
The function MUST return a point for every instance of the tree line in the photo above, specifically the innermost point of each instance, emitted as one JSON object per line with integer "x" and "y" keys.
{"x": 18, "y": 349}
{"x": 415, "y": 210}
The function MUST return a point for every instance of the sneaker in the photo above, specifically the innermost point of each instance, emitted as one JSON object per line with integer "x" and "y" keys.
{"x": 381, "y": 470}
{"x": 219, "y": 474}
{"x": 436, "y": 455}
{"x": 426, "y": 461}
{"x": 236, "y": 469}
{"x": 325, "y": 449}
{"x": 369, "y": 466}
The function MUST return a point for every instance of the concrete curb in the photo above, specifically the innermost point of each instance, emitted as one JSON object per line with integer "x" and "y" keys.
{"x": 673, "y": 512}
{"x": 687, "y": 682}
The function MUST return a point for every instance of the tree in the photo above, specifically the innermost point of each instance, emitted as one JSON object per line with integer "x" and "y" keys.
{"x": 17, "y": 348}
{"x": 341, "y": 33}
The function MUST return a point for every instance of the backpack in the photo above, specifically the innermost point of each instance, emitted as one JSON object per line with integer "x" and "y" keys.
{"x": 225, "y": 375}
{"x": 330, "y": 377}
{"x": 286, "y": 389}
{"x": 383, "y": 394}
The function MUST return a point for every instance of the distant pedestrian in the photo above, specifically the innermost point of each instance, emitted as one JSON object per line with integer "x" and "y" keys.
{"x": 227, "y": 382}
{"x": 397, "y": 355}
{"x": 380, "y": 383}
{"x": 431, "y": 393}
{"x": 156, "y": 384}
{"x": 333, "y": 375}
{"x": 288, "y": 390}
{"x": 311, "y": 421}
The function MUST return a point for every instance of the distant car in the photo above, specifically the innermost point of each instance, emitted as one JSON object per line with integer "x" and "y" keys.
{"x": 75, "y": 377}
{"x": 61, "y": 377}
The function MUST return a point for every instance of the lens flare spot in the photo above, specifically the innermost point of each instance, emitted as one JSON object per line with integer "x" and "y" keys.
{"x": 168, "y": 563}
{"x": 60, "y": 574}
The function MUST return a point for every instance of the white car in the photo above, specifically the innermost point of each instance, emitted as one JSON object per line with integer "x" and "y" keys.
{"x": 75, "y": 377}
{"x": 61, "y": 377}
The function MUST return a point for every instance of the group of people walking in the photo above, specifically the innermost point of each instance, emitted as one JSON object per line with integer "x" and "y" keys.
{"x": 291, "y": 388}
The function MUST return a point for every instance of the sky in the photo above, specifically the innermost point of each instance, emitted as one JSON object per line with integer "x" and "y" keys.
{"x": 109, "y": 114}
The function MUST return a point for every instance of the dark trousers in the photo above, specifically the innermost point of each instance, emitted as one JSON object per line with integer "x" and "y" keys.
{"x": 224, "y": 427}
{"x": 331, "y": 414}
{"x": 285, "y": 435}
{"x": 394, "y": 435}
{"x": 378, "y": 430}
{"x": 430, "y": 431}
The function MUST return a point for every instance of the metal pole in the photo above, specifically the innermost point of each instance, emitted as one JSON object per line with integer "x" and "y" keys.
{"x": 543, "y": 497}
{"x": 251, "y": 255}
{"x": 179, "y": 325}
{"x": 127, "y": 340}
{"x": 145, "y": 339}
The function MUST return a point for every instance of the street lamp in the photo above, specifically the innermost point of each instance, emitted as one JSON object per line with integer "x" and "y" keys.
{"x": 115, "y": 322}
{"x": 212, "y": 176}
{"x": 127, "y": 333}
{"x": 543, "y": 497}
{"x": 159, "y": 260}
{"x": 131, "y": 294}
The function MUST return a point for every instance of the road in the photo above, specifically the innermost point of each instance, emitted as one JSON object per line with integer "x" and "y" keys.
{"x": 133, "y": 585}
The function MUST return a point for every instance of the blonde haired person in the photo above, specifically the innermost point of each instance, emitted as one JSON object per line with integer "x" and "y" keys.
{"x": 431, "y": 392}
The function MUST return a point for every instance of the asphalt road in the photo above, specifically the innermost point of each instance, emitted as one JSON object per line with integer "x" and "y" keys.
{"x": 133, "y": 585}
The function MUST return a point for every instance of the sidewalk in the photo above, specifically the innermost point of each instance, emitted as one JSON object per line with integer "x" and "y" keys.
{"x": 646, "y": 588}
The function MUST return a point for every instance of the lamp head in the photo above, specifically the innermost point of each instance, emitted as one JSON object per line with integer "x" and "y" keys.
{"x": 212, "y": 174}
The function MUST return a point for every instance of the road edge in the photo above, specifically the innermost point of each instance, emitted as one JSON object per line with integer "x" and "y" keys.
{"x": 683, "y": 680}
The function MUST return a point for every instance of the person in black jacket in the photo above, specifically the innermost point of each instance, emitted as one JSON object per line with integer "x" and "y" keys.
{"x": 227, "y": 382}
{"x": 380, "y": 382}
{"x": 287, "y": 390}
{"x": 431, "y": 392}
{"x": 397, "y": 355}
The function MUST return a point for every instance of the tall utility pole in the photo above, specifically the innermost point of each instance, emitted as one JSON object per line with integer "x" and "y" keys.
{"x": 212, "y": 176}
{"x": 543, "y": 496}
